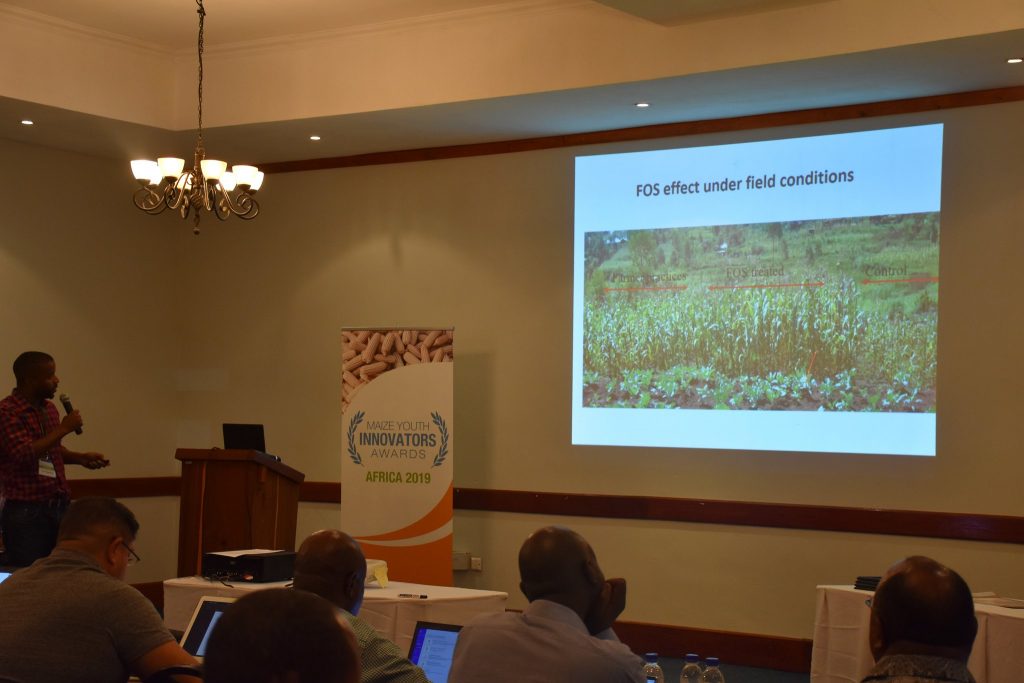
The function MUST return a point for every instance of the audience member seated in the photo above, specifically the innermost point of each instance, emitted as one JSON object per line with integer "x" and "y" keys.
{"x": 922, "y": 624}
{"x": 281, "y": 636}
{"x": 331, "y": 564}
{"x": 71, "y": 617}
{"x": 564, "y": 634}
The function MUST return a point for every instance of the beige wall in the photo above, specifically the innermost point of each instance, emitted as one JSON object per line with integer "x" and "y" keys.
{"x": 242, "y": 324}
{"x": 87, "y": 278}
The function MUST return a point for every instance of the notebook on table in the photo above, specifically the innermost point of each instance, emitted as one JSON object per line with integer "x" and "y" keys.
{"x": 204, "y": 619}
{"x": 432, "y": 649}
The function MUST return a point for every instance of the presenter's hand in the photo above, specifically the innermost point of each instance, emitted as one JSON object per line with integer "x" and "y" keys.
{"x": 71, "y": 422}
{"x": 92, "y": 461}
{"x": 607, "y": 606}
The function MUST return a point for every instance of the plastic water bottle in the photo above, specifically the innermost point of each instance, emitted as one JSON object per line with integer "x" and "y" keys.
{"x": 652, "y": 671}
{"x": 712, "y": 674}
{"x": 691, "y": 670}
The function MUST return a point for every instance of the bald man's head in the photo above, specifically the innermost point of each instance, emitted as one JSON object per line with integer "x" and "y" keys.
{"x": 331, "y": 564}
{"x": 922, "y": 607}
{"x": 557, "y": 564}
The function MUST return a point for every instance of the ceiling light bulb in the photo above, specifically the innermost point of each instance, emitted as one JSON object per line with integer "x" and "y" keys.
{"x": 314, "y": 138}
{"x": 145, "y": 169}
{"x": 1011, "y": 60}
{"x": 227, "y": 181}
{"x": 244, "y": 175}
{"x": 213, "y": 169}
{"x": 170, "y": 167}
{"x": 27, "y": 122}
{"x": 258, "y": 182}
{"x": 142, "y": 168}
{"x": 642, "y": 105}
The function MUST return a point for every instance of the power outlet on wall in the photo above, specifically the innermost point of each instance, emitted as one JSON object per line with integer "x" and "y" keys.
{"x": 461, "y": 562}
{"x": 476, "y": 564}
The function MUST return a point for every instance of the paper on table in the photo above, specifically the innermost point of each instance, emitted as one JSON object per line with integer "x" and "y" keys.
{"x": 996, "y": 601}
{"x": 239, "y": 553}
{"x": 377, "y": 570}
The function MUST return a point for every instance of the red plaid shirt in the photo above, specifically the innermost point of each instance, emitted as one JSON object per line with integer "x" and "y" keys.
{"x": 21, "y": 423}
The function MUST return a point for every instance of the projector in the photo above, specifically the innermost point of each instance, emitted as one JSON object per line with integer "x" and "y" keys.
{"x": 250, "y": 566}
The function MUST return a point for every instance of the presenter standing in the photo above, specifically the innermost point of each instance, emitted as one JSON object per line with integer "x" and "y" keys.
{"x": 32, "y": 460}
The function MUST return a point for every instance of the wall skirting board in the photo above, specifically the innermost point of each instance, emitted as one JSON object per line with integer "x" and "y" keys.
{"x": 746, "y": 649}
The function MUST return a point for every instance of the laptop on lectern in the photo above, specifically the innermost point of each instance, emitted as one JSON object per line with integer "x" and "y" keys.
{"x": 244, "y": 437}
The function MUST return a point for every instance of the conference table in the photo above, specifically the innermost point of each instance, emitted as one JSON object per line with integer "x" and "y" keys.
{"x": 388, "y": 610}
{"x": 840, "y": 651}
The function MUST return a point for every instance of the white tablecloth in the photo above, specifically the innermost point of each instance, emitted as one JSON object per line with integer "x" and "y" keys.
{"x": 394, "y": 617}
{"x": 841, "y": 655}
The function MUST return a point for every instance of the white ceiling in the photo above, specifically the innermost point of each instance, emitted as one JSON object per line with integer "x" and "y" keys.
{"x": 955, "y": 64}
{"x": 167, "y": 24}
{"x": 171, "y": 24}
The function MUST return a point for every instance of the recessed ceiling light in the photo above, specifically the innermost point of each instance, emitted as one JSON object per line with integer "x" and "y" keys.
{"x": 314, "y": 138}
{"x": 1015, "y": 60}
{"x": 27, "y": 122}
{"x": 642, "y": 105}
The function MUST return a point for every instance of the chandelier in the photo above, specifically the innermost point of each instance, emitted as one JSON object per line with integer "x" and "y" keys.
{"x": 207, "y": 186}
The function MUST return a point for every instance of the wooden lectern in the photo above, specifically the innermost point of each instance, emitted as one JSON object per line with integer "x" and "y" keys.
{"x": 234, "y": 500}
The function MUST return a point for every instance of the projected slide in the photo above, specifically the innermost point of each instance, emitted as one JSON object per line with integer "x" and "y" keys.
{"x": 778, "y": 295}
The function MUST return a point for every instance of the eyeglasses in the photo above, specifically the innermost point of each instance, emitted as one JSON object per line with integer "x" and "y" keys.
{"x": 133, "y": 557}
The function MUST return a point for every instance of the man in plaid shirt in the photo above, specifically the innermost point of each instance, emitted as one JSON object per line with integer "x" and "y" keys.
{"x": 331, "y": 564}
{"x": 32, "y": 460}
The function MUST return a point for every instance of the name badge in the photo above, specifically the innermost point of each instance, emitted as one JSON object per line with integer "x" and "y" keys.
{"x": 46, "y": 469}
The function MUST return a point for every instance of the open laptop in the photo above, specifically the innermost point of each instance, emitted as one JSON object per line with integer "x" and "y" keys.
{"x": 205, "y": 617}
{"x": 244, "y": 437}
{"x": 432, "y": 649}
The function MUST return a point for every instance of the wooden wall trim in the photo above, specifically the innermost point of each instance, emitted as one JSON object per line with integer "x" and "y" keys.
{"x": 743, "y": 649}
{"x": 129, "y": 487}
{"x": 320, "y": 492}
{"x": 970, "y": 527}
{"x": 154, "y": 592}
{"x": 665, "y": 130}
{"x": 953, "y": 525}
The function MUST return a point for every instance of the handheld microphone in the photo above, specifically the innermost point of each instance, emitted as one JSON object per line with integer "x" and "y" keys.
{"x": 65, "y": 401}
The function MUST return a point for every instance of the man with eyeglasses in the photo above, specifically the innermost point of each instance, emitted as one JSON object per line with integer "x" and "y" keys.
{"x": 71, "y": 616}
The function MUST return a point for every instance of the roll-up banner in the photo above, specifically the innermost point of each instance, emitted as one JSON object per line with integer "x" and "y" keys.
{"x": 396, "y": 469}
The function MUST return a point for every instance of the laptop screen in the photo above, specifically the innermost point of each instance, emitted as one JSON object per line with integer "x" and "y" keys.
{"x": 432, "y": 649}
{"x": 4, "y": 576}
{"x": 197, "y": 635}
{"x": 244, "y": 437}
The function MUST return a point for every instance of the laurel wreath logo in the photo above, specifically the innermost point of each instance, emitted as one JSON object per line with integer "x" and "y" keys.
{"x": 357, "y": 419}
{"x": 353, "y": 423}
{"x": 442, "y": 452}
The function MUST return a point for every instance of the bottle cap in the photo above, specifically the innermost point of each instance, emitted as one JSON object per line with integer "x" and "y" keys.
{"x": 651, "y": 657}
{"x": 712, "y": 661}
{"x": 692, "y": 657}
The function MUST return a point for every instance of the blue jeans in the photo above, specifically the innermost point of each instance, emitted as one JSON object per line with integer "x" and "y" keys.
{"x": 30, "y": 530}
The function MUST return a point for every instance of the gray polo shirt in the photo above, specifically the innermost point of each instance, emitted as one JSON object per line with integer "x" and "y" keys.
{"x": 65, "y": 620}
{"x": 547, "y": 643}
